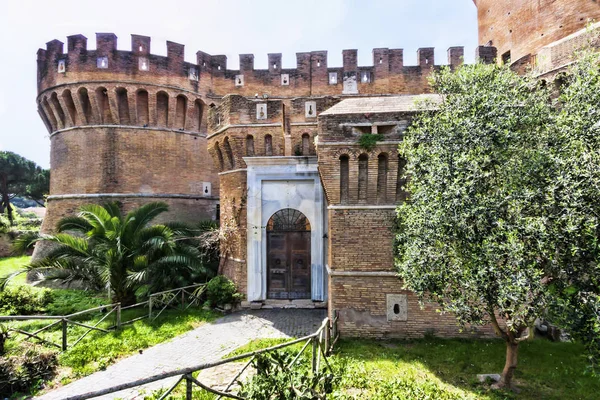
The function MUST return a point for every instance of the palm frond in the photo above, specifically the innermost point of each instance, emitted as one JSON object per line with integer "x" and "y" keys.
{"x": 141, "y": 217}
{"x": 6, "y": 279}
{"x": 73, "y": 223}
{"x": 24, "y": 242}
{"x": 77, "y": 244}
{"x": 114, "y": 209}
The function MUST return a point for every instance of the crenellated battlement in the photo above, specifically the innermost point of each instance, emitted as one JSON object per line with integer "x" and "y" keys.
{"x": 210, "y": 76}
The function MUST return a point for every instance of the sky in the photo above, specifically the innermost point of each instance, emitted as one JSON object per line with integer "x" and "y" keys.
{"x": 230, "y": 27}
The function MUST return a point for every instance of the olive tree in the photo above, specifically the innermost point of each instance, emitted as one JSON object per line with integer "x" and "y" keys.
{"x": 472, "y": 234}
{"x": 576, "y": 194}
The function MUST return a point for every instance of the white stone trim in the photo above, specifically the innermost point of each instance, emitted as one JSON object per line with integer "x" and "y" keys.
{"x": 373, "y": 274}
{"x": 232, "y": 171}
{"x": 354, "y": 143}
{"x": 262, "y": 125}
{"x": 365, "y": 207}
{"x": 147, "y": 128}
{"x": 122, "y": 195}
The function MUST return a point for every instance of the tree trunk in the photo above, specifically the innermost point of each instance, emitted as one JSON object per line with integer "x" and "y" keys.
{"x": 512, "y": 348}
{"x": 5, "y": 198}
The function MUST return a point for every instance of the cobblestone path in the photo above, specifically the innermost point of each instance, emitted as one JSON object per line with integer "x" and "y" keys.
{"x": 206, "y": 343}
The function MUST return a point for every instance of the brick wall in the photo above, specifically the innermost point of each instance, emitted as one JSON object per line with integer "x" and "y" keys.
{"x": 523, "y": 27}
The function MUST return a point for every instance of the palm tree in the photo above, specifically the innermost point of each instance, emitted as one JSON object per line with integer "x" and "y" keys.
{"x": 103, "y": 249}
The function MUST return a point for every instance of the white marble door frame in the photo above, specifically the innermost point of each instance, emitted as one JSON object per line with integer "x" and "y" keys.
{"x": 275, "y": 183}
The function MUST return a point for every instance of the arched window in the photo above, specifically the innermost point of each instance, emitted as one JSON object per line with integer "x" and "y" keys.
{"x": 86, "y": 105}
{"x": 49, "y": 114}
{"x": 229, "y": 153}
{"x": 363, "y": 177}
{"x": 382, "y": 171}
{"x": 344, "y": 176}
{"x": 180, "y": 112}
{"x": 68, "y": 100}
{"x": 305, "y": 144}
{"x": 58, "y": 108}
{"x": 219, "y": 156}
{"x": 289, "y": 220}
{"x": 401, "y": 194}
{"x": 249, "y": 146}
{"x": 123, "y": 105}
{"x": 162, "y": 109}
{"x": 103, "y": 105}
{"x": 268, "y": 145}
{"x": 199, "y": 110}
{"x": 142, "y": 107}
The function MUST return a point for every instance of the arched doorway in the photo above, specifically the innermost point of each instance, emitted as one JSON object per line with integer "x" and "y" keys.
{"x": 288, "y": 255}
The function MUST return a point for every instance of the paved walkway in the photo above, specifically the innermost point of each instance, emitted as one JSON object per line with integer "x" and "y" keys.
{"x": 207, "y": 343}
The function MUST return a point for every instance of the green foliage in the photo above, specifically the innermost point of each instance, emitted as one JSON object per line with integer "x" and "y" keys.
{"x": 19, "y": 373}
{"x": 367, "y": 141}
{"x": 575, "y": 217}
{"x": 471, "y": 235}
{"x": 24, "y": 300}
{"x": 127, "y": 253}
{"x": 275, "y": 380}
{"x": 25, "y": 242}
{"x": 220, "y": 291}
{"x": 19, "y": 176}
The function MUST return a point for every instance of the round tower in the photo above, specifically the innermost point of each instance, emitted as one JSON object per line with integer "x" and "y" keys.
{"x": 520, "y": 28}
{"x": 126, "y": 126}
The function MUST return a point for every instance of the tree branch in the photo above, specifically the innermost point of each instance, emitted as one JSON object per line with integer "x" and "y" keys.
{"x": 496, "y": 326}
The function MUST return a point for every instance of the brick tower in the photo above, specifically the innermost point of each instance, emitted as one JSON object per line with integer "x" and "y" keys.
{"x": 127, "y": 126}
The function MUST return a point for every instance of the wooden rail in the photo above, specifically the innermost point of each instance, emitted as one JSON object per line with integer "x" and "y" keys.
{"x": 322, "y": 346}
{"x": 184, "y": 296}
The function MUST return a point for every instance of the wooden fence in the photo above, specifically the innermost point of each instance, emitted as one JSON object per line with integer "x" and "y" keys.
{"x": 181, "y": 298}
{"x": 321, "y": 343}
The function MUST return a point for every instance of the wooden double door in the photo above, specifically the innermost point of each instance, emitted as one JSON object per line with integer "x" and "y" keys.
{"x": 288, "y": 265}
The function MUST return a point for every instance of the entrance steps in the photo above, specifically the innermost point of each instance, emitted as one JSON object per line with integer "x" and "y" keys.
{"x": 277, "y": 303}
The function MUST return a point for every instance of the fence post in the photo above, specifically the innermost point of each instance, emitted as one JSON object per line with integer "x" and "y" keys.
{"x": 314, "y": 355}
{"x": 327, "y": 336}
{"x": 188, "y": 388}
{"x": 150, "y": 307}
{"x": 118, "y": 316}
{"x": 64, "y": 334}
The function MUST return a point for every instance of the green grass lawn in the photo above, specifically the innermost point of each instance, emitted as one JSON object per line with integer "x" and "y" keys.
{"x": 98, "y": 350}
{"x": 447, "y": 368}
{"x": 12, "y": 264}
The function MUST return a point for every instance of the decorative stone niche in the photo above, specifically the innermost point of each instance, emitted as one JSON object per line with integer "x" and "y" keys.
{"x": 397, "y": 307}
{"x": 365, "y": 77}
{"x": 310, "y": 109}
{"x": 102, "y": 62}
{"x": 333, "y": 78}
{"x": 350, "y": 85}
{"x": 62, "y": 68}
{"x": 285, "y": 79}
{"x": 206, "y": 188}
{"x": 239, "y": 80}
{"x": 261, "y": 111}
{"x": 193, "y": 74}
{"x": 143, "y": 64}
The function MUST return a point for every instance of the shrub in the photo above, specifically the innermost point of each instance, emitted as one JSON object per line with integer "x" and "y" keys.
{"x": 24, "y": 300}
{"x": 22, "y": 372}
{"x": 275, "y": 380}
{"x": 221, "y": 291}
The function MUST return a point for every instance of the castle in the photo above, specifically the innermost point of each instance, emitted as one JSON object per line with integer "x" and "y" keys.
{"x": 275, "y": 154}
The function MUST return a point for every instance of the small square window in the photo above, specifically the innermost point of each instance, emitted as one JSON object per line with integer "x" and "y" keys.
{"x": 102, "y": 62}
{"x": 285, "y": 79}
{"x": 333, "y": 78}
{"x": 144, "y": 64}
{"x": 365, "y": 77}
{"x": 239, "y": 80}
{"x": 62, "y": 67}
{"x": 193, "y": 73}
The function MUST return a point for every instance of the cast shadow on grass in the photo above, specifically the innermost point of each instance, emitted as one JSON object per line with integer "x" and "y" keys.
{"x": 546, "y": 370}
